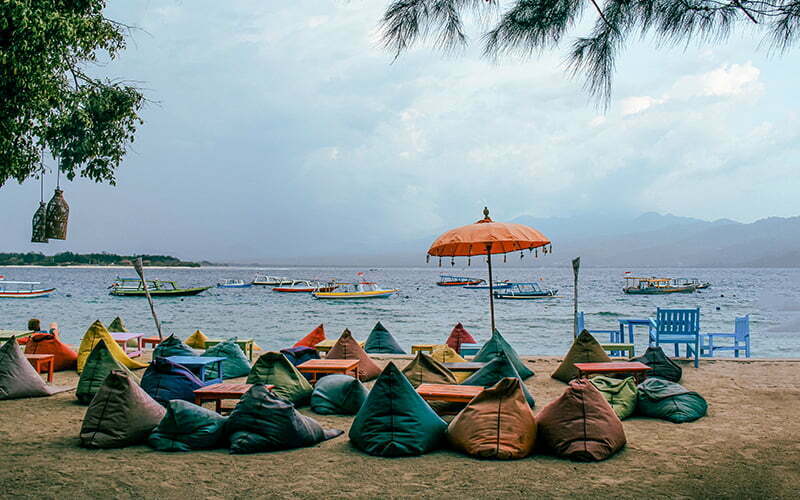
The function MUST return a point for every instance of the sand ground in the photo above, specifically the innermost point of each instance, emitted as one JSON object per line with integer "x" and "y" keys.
{"x": 747, "y": 446}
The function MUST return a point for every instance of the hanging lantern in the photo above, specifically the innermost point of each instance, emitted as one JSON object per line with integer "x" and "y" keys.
{"x": 39, "y": 234}
{"x": 57, "y": 216}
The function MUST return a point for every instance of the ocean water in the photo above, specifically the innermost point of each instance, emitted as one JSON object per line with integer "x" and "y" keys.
{"x": 421, "y": 313}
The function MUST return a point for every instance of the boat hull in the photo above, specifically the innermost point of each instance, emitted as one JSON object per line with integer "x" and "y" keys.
{"x": 458, "y": 283}
{"x": 658, "y": 291}
{"x": 501, "y": 286}
{"x": 246, "y": 285}
{"x": 511, "y": 296}
{"x": 380, "y": 294}
{"x": 28, "y": 294}
{"x": 184, "y": 292}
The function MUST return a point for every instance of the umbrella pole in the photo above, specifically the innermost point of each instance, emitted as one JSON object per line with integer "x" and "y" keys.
{"x": 491, "y": 286}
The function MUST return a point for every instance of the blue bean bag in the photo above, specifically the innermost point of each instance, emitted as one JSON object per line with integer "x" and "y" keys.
{"x": 164, "y": 381}
{"x": 659, "y": 398}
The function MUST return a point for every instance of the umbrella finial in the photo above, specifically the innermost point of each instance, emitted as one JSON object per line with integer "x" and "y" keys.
{"x": 486, "y": 212}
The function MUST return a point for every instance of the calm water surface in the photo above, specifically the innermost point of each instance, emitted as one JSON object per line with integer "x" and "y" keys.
{"x": 421, "y": 313}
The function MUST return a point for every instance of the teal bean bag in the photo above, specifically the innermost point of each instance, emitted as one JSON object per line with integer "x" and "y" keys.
{"x": 380, "y": 341}
{"x": 188, "y": 427}
{"x": 273, "y": 368}
{"x": 395, "y": 421}
{"x": 659, "y": 398}
{"x": 496, "y": 370}
{"x": 98, "y": 365}
{"x": 172, "y": 346}
{"x": 497, "y": 345}
{"x": 338, "y": 395}
{"x": 620, "y": 394}
{"x": 235, "y": 364}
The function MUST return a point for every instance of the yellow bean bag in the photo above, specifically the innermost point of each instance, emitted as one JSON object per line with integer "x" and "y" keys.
{"x": 92, "y": 336}
{"x": 446, "y": 354}
{"x": 197, "y": 340}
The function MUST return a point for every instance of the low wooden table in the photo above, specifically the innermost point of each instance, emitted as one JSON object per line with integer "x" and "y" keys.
{"x": 245, "y": 344}
{"x": 634, "y": 368}
{"x": 327, "y": 366}
{"x": 423, "y": 348}
{"x": 199, "y": 364}
{"x": 122, "y": 339}
{"x": 448, "y": 392}
{"x": 43, "y": 362}
{"x": 469, "y": 366}
{"x": 220, "y": 392}
{"x": 150, "y": 341}
{"x": 630, "y": 349}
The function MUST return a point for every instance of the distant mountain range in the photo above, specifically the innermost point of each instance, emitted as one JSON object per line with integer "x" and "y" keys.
{"x": 649, "y": 240}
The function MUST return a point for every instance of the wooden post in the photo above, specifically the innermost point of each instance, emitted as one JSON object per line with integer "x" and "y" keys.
{"x": 576, "y": 265}
{"x": 140, "y": 271}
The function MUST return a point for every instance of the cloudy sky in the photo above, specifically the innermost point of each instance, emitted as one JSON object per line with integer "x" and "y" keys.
{"x": 281, "y": 128}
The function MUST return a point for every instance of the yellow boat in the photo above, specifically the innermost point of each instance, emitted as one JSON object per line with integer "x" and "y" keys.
{"x": 360, "y": 290}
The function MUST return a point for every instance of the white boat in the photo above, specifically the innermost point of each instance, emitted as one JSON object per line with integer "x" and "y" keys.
{"x": 267, "y": 280}
{"x": 229, "y": 283}
{"x": 306, "y": 286}
{"x": 23, "y": 290}
{"x": 360, "y": 290}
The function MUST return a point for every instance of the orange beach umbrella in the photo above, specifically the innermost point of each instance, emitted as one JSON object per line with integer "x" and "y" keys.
{"x": 487, "y": 237}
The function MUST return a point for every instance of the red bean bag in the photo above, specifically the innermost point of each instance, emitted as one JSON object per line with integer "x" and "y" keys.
{"x": 316, "y": 336}
{"x": 46, "y": 343}
{"x": 459, "y": 336}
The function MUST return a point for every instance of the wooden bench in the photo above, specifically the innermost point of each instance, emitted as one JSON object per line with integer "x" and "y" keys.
{"x": 43, "y": 362}
{"x": 469, "y": 366}
{"x": 317, "y": 367}
{"x": 630, "y": 349}
{"x": 635, "y": 368}
{"x": 448, "y": 392}
{"x": 150, "y": 341}
{"x": 122, "y": 339}
{"x": 423, "y": 348}
{"x": 220, "y": 392}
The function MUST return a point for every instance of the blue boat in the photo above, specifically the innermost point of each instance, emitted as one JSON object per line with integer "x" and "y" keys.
{"x": 526, "y": 291}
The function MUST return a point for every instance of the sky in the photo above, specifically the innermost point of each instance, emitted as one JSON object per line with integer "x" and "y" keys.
{"x": 284, "y": 128}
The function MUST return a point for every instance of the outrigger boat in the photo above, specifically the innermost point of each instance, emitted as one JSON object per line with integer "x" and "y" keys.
{"x": 654, "y": 286}
{"x": 500, "y": 285}
{"x": 526, "y": 291}
{"x": 360, "y": 290}
{"x": 305, "y": 286}
{"x": 698, "y": 285}
{"x": 228, "y": 283}
{"x": 445, "y": 280}
{"x": 133, "y": 287}
{"x": 23, "y": 290}
{"x": 266, "y": 280}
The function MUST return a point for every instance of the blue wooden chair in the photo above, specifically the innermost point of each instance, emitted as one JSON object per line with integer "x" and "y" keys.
{"x": 740, "y": 337}
{"x": 614, "y": 336}
{"x": 677, "y": 326}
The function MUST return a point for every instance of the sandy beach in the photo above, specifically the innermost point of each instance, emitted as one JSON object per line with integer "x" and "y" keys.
{"x": 747, "y": 446}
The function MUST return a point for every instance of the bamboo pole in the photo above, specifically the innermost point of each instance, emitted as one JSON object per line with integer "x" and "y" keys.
{"x": 137, "y": 264}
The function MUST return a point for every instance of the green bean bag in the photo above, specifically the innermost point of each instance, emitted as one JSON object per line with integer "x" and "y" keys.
{"x": 235, "y": 364}
{"x": 584, "y": 349}
{"x": 497, "y": 345}
{"x": 620, "y": 394}
{"x": 272, "y": 368}
{"x": 264, "y": 422}
{"x": 187, "y": 427}
{"x": 496, "y": 370}
{"x": 395, "y": 421}
{"x": 423, "y": 369}
{"x": 121, "y": 414}
{"x": 380, "y": 341}
{"x": 659, "y": 398}
{"x": 98, "y": 365}
{"x": 338, "y": 395}
{"x": 172, "y": 346}
{"x": 662, "y": 366}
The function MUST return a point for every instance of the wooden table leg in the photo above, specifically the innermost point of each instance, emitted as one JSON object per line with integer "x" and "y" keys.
{"x": 218, "y": 405}
{"x": 198, "y": 401}
{"x": 51, "y": 370}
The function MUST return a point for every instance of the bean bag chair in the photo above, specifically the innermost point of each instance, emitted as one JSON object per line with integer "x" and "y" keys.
{"x": 659, "y": 398}
{"x": 620, "y": 394}
{"x": 264, "y": 422}
{"x": 459, "y": 336}
{"x": 98, "y": 365}
{"x": 172, "y": 346}
{"x": 18, "y": 379}
{"x": 348, "y": 348}
{"x": 121, "y": 414}
{"x": 496, "y": 370}
{"x": 395, "y": 421}
{"x": 272, "y": 368}
{"x": 164, "y": 381}
{"x": 46, "y": 343}
{"x": 580, "y": 425}
{"x": 497, "y": 423}
{"x": 316, "y": 336}
{"x": 425, "y": 370}
{"x": 662, "y": 366}
{"x": 299, "y": 355}
{"x": 117, "y": 325}
{"x": 235, "y": 364}
{"x": 445, "y": 354}
{"x": 584, "y": 349}
{"x": 188, "y": 427}
{"x": 380, "y": 341}
{"x": 338, "y": 394}
{"x": 96, "y": 332}
{"x": 197, "y": 340}
{"x": 497, "y": 345}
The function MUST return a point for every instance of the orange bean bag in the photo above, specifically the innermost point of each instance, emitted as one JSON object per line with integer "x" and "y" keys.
{"x": 47, "y": 343}
{"x": 316, "y": 336}
{"x": 348, "y": 348}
